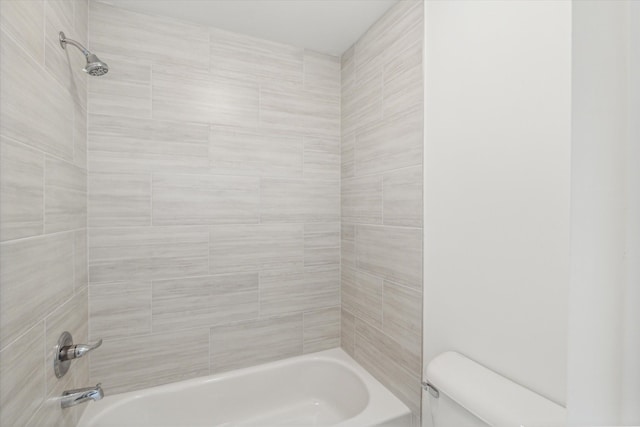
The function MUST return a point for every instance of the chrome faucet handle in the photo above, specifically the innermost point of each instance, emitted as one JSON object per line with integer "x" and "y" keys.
{"x": 76, "y": 351}
{"x": 65, "y": 351}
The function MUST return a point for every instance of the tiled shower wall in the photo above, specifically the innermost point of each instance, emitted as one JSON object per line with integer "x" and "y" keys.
{"x": 214, "y": 200}
{"x": 382, "y": 97}
{"x": 43, "y": 276}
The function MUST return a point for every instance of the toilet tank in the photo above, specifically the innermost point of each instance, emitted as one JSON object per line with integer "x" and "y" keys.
{"x": 463, "y": 393}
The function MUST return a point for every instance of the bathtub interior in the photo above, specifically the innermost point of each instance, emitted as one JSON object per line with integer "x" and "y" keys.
{"x": 300, "y": 393}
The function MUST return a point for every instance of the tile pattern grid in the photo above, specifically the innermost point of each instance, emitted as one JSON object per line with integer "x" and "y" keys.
{"x": 43, "y": 209}
{"x": 381, "y": 201}
{"x": 214, "y": 207}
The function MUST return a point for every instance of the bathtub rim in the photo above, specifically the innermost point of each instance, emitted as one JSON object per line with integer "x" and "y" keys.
{"x": 383, "y": 406}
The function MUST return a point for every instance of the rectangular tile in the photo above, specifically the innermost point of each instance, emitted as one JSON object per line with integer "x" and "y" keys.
{"x": 131, "y": 145}
{"x": 255, "y": 342}
{"x": 146, "y": 37}
{"x": 241, "y": 248}
{"x": 204, "y": 301}
{"x": 81, "y": 276}
{"x": 24, "y": 21}
{"x": 380, "y": 362}
{"x": 22, "y": 384}
{"x": 21, "y": 190}
{"x": 394, "y": 143}
{"x": 73, "y": 317}
{"x": 255, "y": 152}
{"x": 347, "y": 231}
{"x": 362, "y": 104}
{"x": 347, "y": 156}
{"x": 294, "y": 292}
{"x": 348, "y": 253}
{"x": 347, "y": 332}
{"x": 362, "y": 295}
{"x": 244, "y": 57}
{"x": 404, "y": 356}
{"x": 65, "y": 202}
{"x": 321, "y": 244}
{"x": 27, "y": 92}
{"x": 302, "y": 112}
{"x": 322, "y": 158}
{"x": 403, "y": 80}
{"x": 205, "y": 199}
{"x": 321, "y": 72}
{"x": 391, "y": 252}
{"x": 150, "y": 360}
{"x": 321, "y": 329}
{"x": 119, "y": 199}
{"x": 361, "y": 199}
{"x": 402, "y": 314}
{"x": 147, "y": 253}
{"x": 80, "y": 137}
{"x": 189, "y": 95}
{"x": 119, "y": 309}
{"x": 348, "y": 68}
{"x": 126, "y": 92}
{"x": 403, "y": 197}
{"x": 65, "y": 65}
{"x": 38, "y": 270}
{"x": 287, "y": 200}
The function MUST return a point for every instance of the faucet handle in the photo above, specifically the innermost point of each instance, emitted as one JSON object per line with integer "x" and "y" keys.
{"x": 76, "y": 351}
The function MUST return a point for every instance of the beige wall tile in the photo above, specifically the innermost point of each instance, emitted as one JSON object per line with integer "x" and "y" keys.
{"x": 381, "y": 364}
{"x": 124, "y": 92}
{"x": 347, "y": 332}
{"x": 81, "y": 276}
{"x": 80, "y": 136}
{"x": 147, "y": 253}
{"x": 362, "y": 104}
{"x": 254, "y": 342}
{"x": 204, "y": 301}
{"x": 38, "y": 270}
{"x": 26, "y": 91}
{"x": 287, "y": 200}
{"x": 403, "y": 89}
{"x": 300, "y": 111}
{"x": 119, "y": 309}
{"x": 24, "y": 21}
{"x": 131, "y": 145}
{"x": 65, "y": 65}
{"x": 119, "y": 199}
{"x": 347, "y": 156}
{"x": 361, "y": 199}
{"x": 21, "y": 190}
{"x": 150, "y": 360}
{"x": 244, "y": 57}
{"x": 22, "y": 377}
{"x": 321, "y": 329}
{"x": 294, "y": 292}
{"x": 402, "y": 314}
{"x": 391, "y": 252}
{"x": 348, "y": 68}
{"x": 362, "y": 295}
{"x": 322, "y": 158}
{"x": 243, "y": 248}
{"x": 73, "y": 317}
{"x": 322, "y": 72}
{"x": 403, "y": 197}
{"x": 146, "y": 37}
{"x": 255, "y": 152}
{"x": 321, "y": 244}
{"x": 197, "y": 96}
{"x": 205, "y": 200}
{"x": 394, "y": 143}
{"x": 65, "y": 202}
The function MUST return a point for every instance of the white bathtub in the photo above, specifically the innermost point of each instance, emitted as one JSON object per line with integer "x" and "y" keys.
{"x": 321, "y": 389}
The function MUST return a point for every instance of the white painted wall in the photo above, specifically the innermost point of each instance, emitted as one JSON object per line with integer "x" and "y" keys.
{"x": 532, "y": 197}
{"x": 603, "y": 375}
{"x": 497, "y": 186}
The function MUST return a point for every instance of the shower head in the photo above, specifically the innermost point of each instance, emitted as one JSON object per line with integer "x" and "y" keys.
{"x": 94, "y": 66}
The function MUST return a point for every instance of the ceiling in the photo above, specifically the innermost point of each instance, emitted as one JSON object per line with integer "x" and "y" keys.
{"x": 328, "y": 26}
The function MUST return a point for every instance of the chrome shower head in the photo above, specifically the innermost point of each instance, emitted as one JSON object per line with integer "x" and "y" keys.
{"x": 94, "y": 66}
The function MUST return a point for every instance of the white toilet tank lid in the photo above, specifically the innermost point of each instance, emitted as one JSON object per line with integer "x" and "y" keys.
{"x": 491, "y": 397}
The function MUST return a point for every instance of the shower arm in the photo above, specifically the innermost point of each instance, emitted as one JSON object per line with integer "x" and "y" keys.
{"x": 64, "y": 41}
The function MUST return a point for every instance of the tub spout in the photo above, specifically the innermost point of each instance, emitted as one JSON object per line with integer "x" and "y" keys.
{"x": 81, "y": 395}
